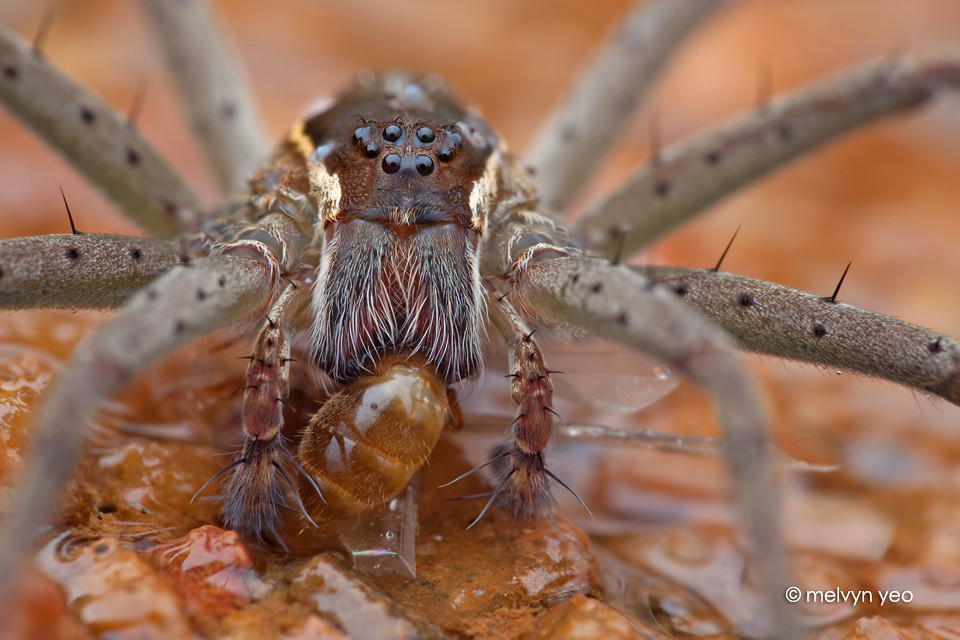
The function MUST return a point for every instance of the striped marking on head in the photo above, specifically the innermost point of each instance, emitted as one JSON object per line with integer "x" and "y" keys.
{"x": 325, "y": 190}
{"x": 483, "y": 196}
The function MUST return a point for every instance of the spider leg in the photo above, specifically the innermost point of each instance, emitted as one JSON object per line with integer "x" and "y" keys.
{"x": 253, "y": 491}
{"x": 603, "y": 97}
{"x": 693, "y": 174}
{"x": 82, "y": 270}
{"x": 594, "y": 295}
{"x": 518, "y": 463}
{"x": 674, "y": 443}
{"x": 212, "y": 86}
{"x": 770, "y": 318}
{"x": 96, "y": 140}
{"x": 183, "y": 304}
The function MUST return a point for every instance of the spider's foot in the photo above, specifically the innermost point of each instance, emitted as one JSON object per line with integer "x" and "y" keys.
{"x": 522, "y": 482}
{"x": 254, "y": 493}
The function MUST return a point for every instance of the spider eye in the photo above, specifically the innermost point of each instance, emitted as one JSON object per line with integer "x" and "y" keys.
{"x": 360, "y": 134}
{"x": 424, "y": 165}
{"x": 391, "y": 163}
{"x": 455, "y": 142}
{"x": 392, "y": 133}
{"x": 426, "y": 135}
{"x": 371, "y": 150}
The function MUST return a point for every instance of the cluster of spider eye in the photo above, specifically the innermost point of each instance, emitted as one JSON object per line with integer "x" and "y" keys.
{"x": 394, "y": 135}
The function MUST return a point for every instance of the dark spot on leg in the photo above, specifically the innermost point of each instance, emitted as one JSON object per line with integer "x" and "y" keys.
{"x": 784, "y": 132}
{"x": 10, "y": 72}
{"x": 101, "y": 548}
{"x": 152, "y": 294}
{"x": 575, "y": 278}
{"x": 86, "y": 115}
{"x": 935, "y": 346}
{"x": 221, "y": 281}
{"x": 201, "y": 294}
{"x": 662, "y": 188}
{"x": 133, "y": 158}
{"x": 228, "y": 110}
{"x": 622, "y": 318}
{"x": 135, "y": 253}
{"x": 713, "y": 157}
{"x": 1, "y": 272}
{"x": 746, "y": 300}
{"x": 819, "y": 330}
{"x": 180, "y": 326}
{"x": 72, "y": 253}
{"x": 168, "y": 207}
{"x": 681, "y": 290}
{"x": 596, "y": 288}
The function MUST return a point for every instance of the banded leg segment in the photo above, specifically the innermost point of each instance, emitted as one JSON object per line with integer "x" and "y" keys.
{"x": 596, "y": 296}
{"x": 81, "y": 270}
{"x": 97, "y": 141}
{"x": 253, "y": 492}
{"x": 183, "y": 304}
{"x": 518, "y": 463}
{"x": 777, "y": 320}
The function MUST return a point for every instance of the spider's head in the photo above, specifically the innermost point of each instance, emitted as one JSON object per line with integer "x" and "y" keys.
{"x": 401, "y": 150}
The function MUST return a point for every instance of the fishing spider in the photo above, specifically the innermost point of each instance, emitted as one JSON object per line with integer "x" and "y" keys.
{"x": 530, "y": 265}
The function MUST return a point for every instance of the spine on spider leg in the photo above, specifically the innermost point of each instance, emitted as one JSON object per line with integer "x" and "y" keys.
{"x": 519, "y": 468}
{"x": 773, "y": 319}
{"x": 694, "y": 173}
{"x": 97, "y": 141}
{"x": 80, "y": 270}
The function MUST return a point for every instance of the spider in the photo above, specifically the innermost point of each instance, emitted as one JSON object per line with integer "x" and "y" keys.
{"x": 534, "y": 267}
